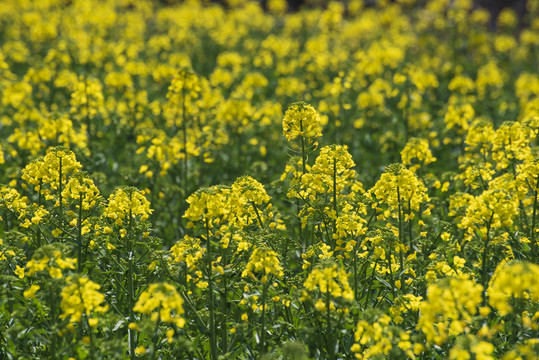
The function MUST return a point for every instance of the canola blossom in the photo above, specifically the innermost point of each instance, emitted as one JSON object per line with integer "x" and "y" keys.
{"x": 81, "y": 297}
{"x": 162, "y": 302}
{"x": 301, "y": 120}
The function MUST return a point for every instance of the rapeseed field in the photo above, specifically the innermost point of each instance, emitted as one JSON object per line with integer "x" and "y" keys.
{"x": 198, "y": 180}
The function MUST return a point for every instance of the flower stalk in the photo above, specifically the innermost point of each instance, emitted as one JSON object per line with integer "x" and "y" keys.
{"x": 330, "y": 345}
{"x": 130, "y": 285}
{"x": 534, "y": 219}
{"x": 213, "y": 342}
{"x": 263, "y": 322}
{"x": 79, "y": 236}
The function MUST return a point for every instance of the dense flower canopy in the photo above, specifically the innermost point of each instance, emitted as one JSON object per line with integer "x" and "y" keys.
{"x": 243, "y": 180}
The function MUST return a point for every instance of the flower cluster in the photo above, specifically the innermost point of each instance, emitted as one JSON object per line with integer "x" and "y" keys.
{"x": 82, "y": 189}
{"x": 332, "y": 168}
{"x": 248, "y": 203}
{"x": 87, "y": 100}
{"x": 127, "y": 203}
{"x": 183, "y": 90}
{"x": 472, "y": 346}
{"x": 49, "y": 259}
{"x": 81, "y": 297}
{"x": 510, "y": 282}
{"x": 512, "y": 144}
{"x": 302, "y": 121}
{"x": 331, "y": 282}
{"x": 264, "y": 261}
{"x": 53, "y": 169}
{"x": 12, "y": 201}
{"x": 163, "y": 303}
{"x": 375, "y": 337}
{"x": 491, "y": 210}
{"x": 417, "y": 149}
{"x": 187, "y": 251}
{"x": 451, "y": 303}
{"x": 400, "y": 189}
{"x": 207, "y": 204}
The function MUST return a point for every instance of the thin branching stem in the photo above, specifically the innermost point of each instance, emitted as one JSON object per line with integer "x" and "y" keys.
{"x": 534, "y": 219}
{"x": 485, "y": 253}
{"x": 79, "y": 236}
{"x": 330, "y": 345}
{"x": 263, "y": 322}
{"x": 60, "y": 212}
{"x": 213, "y": 343}
{"x": 130, "y": 285}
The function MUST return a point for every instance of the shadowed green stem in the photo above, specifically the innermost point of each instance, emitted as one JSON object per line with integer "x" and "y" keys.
{"x": 213, "y": 343}
{"x": 532, "y": 230}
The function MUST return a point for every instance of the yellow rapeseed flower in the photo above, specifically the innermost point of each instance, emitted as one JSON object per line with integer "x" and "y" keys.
{"x": 449, "y": 308}
{"x": 399, "y": 186}
{"x": 264, "y": 261}
{"x": 81, "y": 296}
{"x": 127, "y": 201}
{"x": 513, "y": 280}
{"x": 328, "y": 278}
{"x": 162, "y": 302}
{"x": 31, "y": 292}
{"x": 301, "y": 121}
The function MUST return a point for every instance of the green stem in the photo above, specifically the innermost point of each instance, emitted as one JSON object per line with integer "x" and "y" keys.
{"x": 355, "y": 269}
{"x": 263, "y": 324}
{"x": 224, "y": 333}
{"x": 432, "y": 246}
{"x": 9, "y": 294}
{"x": 370, "y": 284}
{"x": 258, "y": 216}
{"x": 485, "y": 253}
{"x": 335, "y": 199}
{"x": 401, "y": 240}
{"x": 410, "y": 224}
{"x": 405, "y": 111}
{"x": 213, "y": 344}
{"x": 303, "y": 154}
{"x": 184, "y": 138}
{"x": 52, "y": 304}
{"x": 328, "y": 321}
{"x": 91, "y": 335}
{"x": 84, "y": 321}
{"x": 38, "y": 205}
{"x": 79, "y": 237}
{"x": 532, "y": 230}
{"x": 88, "y": 119}
{"x": 130, "y": 286}
{"x": 155, "y": 338}
{"x": 60, "y": 217}
{"x": 192, "y": 308}
{"x": 356, "y": 293}
{"x": 392, "y": 279}
{"x": 401, "y": 235}
{"x": 6, "y": 225}
{"x": 401, "y": 260}
{"x": 304, "y": 168}
{"x": 300, "y": 229}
